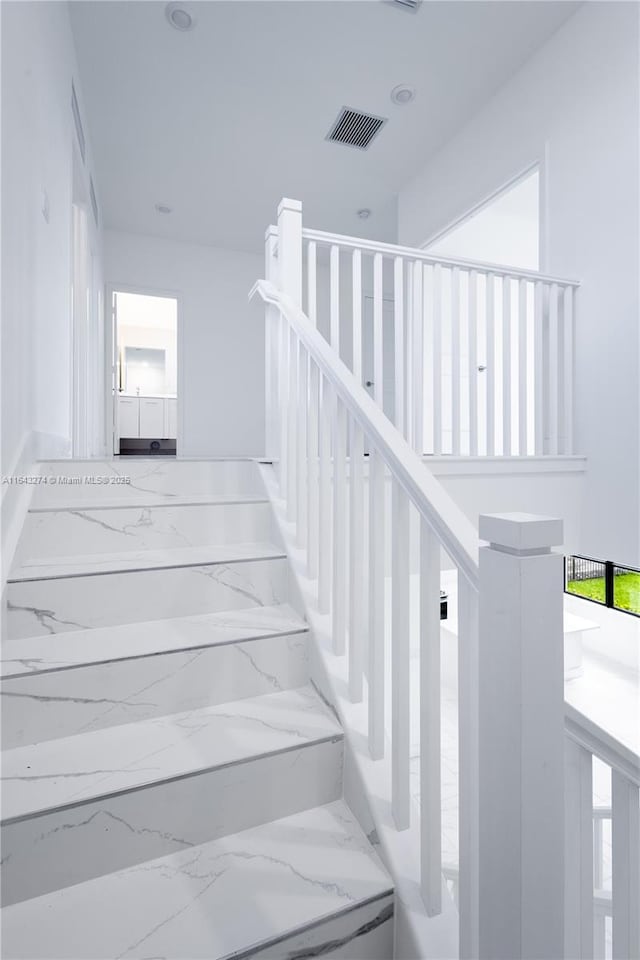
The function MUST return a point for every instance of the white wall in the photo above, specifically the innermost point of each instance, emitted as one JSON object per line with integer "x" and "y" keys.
{"x": 38, "y": 63}
{"x": 573, "y": 107}
{"x": 220, "y": 336}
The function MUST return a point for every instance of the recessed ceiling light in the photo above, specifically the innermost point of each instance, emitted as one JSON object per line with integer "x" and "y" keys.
{"x": 163, "y": 208}
{"x": 179, "y": 17}
{"x": 402, "y": 94}
{"x": 364, "y": 213}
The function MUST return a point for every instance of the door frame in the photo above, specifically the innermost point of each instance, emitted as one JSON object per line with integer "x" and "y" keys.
{"x": 110, "y": 358}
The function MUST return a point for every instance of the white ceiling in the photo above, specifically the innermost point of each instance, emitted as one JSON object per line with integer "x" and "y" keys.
{"x": 221, "y": 122}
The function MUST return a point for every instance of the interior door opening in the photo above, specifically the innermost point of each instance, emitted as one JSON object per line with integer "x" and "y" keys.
{"x": 145, "y": 374}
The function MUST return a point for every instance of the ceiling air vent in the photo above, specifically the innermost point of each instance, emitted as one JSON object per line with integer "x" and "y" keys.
{"x": 407, "y": 4}
{"x": 75, "y": 109}
{"x": 355, "y": 129}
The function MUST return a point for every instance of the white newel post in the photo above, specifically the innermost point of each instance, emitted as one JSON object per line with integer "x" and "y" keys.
{"x": 521, "y": 739}
{"x": 290, "y": 277}
{"x": 271, "y": 351}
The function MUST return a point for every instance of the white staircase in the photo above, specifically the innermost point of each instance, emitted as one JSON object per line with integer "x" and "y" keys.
{"x": 171, "y": 779}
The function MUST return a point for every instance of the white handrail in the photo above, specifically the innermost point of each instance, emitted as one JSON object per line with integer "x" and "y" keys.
{"x": 453, "y": 529}
{"x": 601, "y": 744}
{"x": 416, "y": 253}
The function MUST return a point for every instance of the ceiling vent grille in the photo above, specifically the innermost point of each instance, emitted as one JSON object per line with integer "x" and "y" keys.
{"x": 75, "y": 109}
{"x": 355, "y": 129}
{"x": 407, "y": 4}
{"x": 94, "y": 202}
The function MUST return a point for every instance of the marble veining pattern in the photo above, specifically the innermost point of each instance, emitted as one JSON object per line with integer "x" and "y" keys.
{"x": 67, "y": 846}
{"x": 88, "y": 564}
{"x": 72, "y": 533}
{"x": 66, "y": 702}
{"x": 36, "y": 608}
{"x": 62, "y": 772}
{"x": 150, "y": 480}
{"x": 106, "y": 644}
{"x": 293, "y": 871}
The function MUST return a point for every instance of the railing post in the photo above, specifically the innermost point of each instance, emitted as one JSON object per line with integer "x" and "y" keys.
{"x": 290, "y": 274}
{"x": 271, "y": 352}
{"x": 521, "y": 739}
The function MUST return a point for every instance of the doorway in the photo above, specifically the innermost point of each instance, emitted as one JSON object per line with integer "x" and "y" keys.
{"x": 144, "y": 382}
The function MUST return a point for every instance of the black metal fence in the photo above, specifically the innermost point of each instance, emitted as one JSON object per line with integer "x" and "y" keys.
{"x": 597, "y": 581}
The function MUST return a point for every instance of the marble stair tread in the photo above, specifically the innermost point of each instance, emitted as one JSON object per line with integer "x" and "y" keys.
{"x": 79, "y": 648}
{"x": 141, "y": 499}
{"x": 69, "y": 771}
{"x": 221, "y": 899}
{"x": 50, "y": 568}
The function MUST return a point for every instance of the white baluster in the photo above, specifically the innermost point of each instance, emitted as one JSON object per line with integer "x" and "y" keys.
{"x": 491, "y": 365}
{"x": 430, "y": 745}
{"x": 290, "y": 270}
{"x": 553, "y": 369}
{"x": 356, "y": 565}
{"x": 400, "y": 650}
{"x": 473, "y": 363}
{"x": 271, "y": 352}
{"x": 334, "y": 298}
{"x": 455, "y": 361}
{"x": 283, "y": 404}
{"x": 568, "y": 323}
{"x": 312, "y": 293}
{"x": 301, "y": 443}
{"x": 339, "y": 589}
{"x": 356, "y": 279}
{"x": 578, "y": 891}
{"x": 437, "y": 359}
{"x": 398, "y": 333}
{"x": 468, "y": 763}
{"x": 418, "y": 359}
{"x": 292, "y": 433}
{"x": 521, "y": 739}
{"x": 625, "y": 885}
{"x": 378, "y": 333}
{"x": 313, "y": 412}
{"x": 506, "y": 367}
{"x": 523, "y": 445}
{"x": 539, "y": 374}
{"x": 377, "y": 548}
{"x": 325, "y": 500}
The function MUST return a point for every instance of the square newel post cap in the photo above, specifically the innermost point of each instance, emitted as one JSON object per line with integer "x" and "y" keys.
{"x": 294, "y": 206}
{"x": 521, "y": 533}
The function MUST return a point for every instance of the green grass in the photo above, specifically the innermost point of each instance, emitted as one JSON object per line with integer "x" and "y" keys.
{"x": 626, "y": 590}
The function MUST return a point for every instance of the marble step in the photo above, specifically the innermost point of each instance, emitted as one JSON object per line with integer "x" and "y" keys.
{"x": 53, "y": 605}
{"x": 86, "y": 805}
{"x": 90, "y": 679}
{"x": 306, "y": 885}
{"x": 83, "y": 565}
{"x": 81, "y": 483}
{"x": 59, "y": 536}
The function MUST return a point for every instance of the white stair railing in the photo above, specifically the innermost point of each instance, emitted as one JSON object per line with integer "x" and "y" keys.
{"x": 587, "y": 903}
{"x": 466, "y": 358}
{"x": 320, "y": 420}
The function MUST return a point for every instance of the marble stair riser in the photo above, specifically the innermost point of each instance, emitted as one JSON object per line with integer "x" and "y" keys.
{"x": 63, "y": 847}
{"x": 63, "y": 533}
{"x": 364, "y": 932}
{"x": 150, "y": 481}
{"x": 63, "y": 703}
{"x": 40, "y": 607}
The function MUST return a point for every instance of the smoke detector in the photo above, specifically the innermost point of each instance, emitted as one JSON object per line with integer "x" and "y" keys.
{"x": 403, "y": 94}
{"x": 179, "y": 17}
